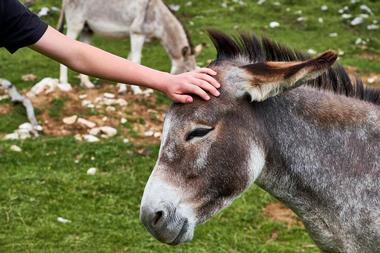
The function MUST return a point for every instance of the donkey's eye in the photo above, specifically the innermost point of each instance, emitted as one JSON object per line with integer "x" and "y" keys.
{"x": 198, "y": 132}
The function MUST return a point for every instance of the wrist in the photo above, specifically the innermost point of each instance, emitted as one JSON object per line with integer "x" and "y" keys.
{"x": 163, "y": 81}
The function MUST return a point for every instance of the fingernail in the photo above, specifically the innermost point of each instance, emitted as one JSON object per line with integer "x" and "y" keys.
{"x": 217, "y": 93}
{"x": 189, "y": 100}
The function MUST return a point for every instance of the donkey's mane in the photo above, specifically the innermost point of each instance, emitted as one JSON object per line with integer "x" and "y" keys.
{"x": 247, "y": 49}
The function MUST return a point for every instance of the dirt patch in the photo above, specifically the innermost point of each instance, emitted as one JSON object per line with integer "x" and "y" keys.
{"x": 370, "y": 56}
{"x": 279, "y": 212}
{"x": 5, "y": 109}
{"x": 369, "y": 79}
{"x": 138, "y": 118}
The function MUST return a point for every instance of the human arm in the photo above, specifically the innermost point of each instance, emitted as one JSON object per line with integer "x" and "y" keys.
{"x": 93, "y": 61}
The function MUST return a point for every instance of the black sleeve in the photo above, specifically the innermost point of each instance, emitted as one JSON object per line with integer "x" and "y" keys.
{"x": 18, "y": 26}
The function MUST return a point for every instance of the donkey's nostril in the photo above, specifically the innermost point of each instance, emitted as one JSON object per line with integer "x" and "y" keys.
{"x": 157, "y": 217}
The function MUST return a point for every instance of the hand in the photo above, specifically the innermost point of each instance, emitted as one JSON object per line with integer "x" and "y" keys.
{"x": 199, "y": 82}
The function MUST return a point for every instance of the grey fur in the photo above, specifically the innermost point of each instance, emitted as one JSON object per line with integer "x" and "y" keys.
{"x": 321, "y": 151}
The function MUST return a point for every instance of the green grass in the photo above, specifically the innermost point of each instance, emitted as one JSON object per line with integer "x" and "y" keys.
{"x": 48, "y": 179}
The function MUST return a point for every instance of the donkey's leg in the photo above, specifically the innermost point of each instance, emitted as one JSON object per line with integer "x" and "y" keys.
{"x": 137, "y": 43}
{"x": 73, "y": 31}
{"x": 85, "y": 37}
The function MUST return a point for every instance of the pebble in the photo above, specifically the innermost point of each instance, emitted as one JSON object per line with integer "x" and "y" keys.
{"x": 90, "y": 138}
{"x": 70, "y": 120}
{"x": 274, "y": 24}
{"x": 63, "y": 220}
{"x": 91, "y": 171}
{"x": 357, "y": 21}
{"x": 86, "y": 123}
{"x": 108, "y": 95}
{"x": 16, "y": 148}
{"x": 324, "y": 8}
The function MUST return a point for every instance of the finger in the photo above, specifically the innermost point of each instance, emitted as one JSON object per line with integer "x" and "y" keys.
{"x": 206, "y": 86}
{"x": 208, "y": 79}
{"x": 194, "y": 89}
{"x": 184, "y": 99}
{"x": 206, "y": 71}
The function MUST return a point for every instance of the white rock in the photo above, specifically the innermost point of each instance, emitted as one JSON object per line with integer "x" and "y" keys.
{"x": 110, "y": 109}
{"x": 12, "y": 136}
{"x": 301, "y": 19}
{"x": 122, "y": 102}
{"x": 320, "y": 20}
{"x": 311, "y": 51}
{"x": 91, "y": 171}
{"x": 371, "y": 80}
{"x": 81, "y": 97}
{"x": 340, "y": 52}
{"x": 260, "y": 2}
{"x": 174, "y": 7}
{"x": 346, "y": 16}
{"x": 372, "y": 27}
{"x": 108, "y": 95}
{"x": 38, "y": 128}
{"x": 26, "y": 126}
{"x": 358, "y": 41}
{"x": 333, "y": 35}
{"x": 4, "y": 97}
{"x": 86, "y": 123}
{"x": 23, "y": 134}
{"x": 55, "y": 8}
{"x": 95, "y": 131}
{"x": 122, "y": 88}
{"x": 123, "y": 121}
{"x": 106, "y": 131}
{"x": 365, "y": 8}
{"x": 90, "y": 138}
{"x": 357, "y": 21}
{"x": 149, "y": 133}
{"x": 70, "y": 120}
{"x": 109, "y": 131}
{"x": 344, "y": 9}
{"x": 43, "y": 12}
{"x": 324, "y": 8}
{"x": 125, "y": 141}
{"x": 157, "y": 135}
{"x": 16, "y": 148}
{"x": 274, "y": 24}
{"x": 78, "y": 137}
{"x": 63, "y": 220}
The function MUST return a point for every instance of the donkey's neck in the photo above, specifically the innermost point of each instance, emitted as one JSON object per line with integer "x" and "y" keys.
{"x": 322, "y": 160}
{"x": 173, "y": 35}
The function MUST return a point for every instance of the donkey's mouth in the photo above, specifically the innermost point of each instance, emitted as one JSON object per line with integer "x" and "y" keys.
{"x": 181, "y": 233}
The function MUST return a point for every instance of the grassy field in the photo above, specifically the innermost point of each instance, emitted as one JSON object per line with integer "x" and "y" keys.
{"x": 48, "y": 178}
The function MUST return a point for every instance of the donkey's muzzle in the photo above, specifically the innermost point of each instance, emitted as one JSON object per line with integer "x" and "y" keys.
{"x": 164, "y": 223}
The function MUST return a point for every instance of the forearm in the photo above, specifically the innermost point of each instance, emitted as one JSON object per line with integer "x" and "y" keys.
{"x": 115, "y": 68}
{"x": 92, "y": 61}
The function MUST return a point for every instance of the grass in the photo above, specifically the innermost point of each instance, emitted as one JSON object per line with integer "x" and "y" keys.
{"x": 48, "y": 179}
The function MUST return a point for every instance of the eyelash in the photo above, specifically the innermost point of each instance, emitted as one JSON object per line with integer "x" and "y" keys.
{"x": 199, "y": 132}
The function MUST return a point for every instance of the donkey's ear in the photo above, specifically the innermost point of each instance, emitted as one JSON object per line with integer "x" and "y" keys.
{"x": 271, "y": 78}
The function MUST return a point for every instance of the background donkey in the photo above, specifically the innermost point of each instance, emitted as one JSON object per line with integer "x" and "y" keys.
{"x": 139, "y": 19}
{"x": 316, "y": 147}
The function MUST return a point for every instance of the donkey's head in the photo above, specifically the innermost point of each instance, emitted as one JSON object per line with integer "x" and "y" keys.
{"x": 212, "y": 151}
{"x": 187, "y": 59}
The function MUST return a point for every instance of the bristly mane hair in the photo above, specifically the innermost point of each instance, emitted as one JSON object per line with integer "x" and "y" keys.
{"x": 248, "y": 49}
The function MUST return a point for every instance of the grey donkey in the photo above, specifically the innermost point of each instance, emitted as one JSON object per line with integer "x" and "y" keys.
{"x": 138, "y": 19}
{"x": 297, "y": 127}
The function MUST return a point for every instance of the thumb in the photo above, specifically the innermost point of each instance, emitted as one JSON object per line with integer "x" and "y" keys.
{"x": 184, "y": 99}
